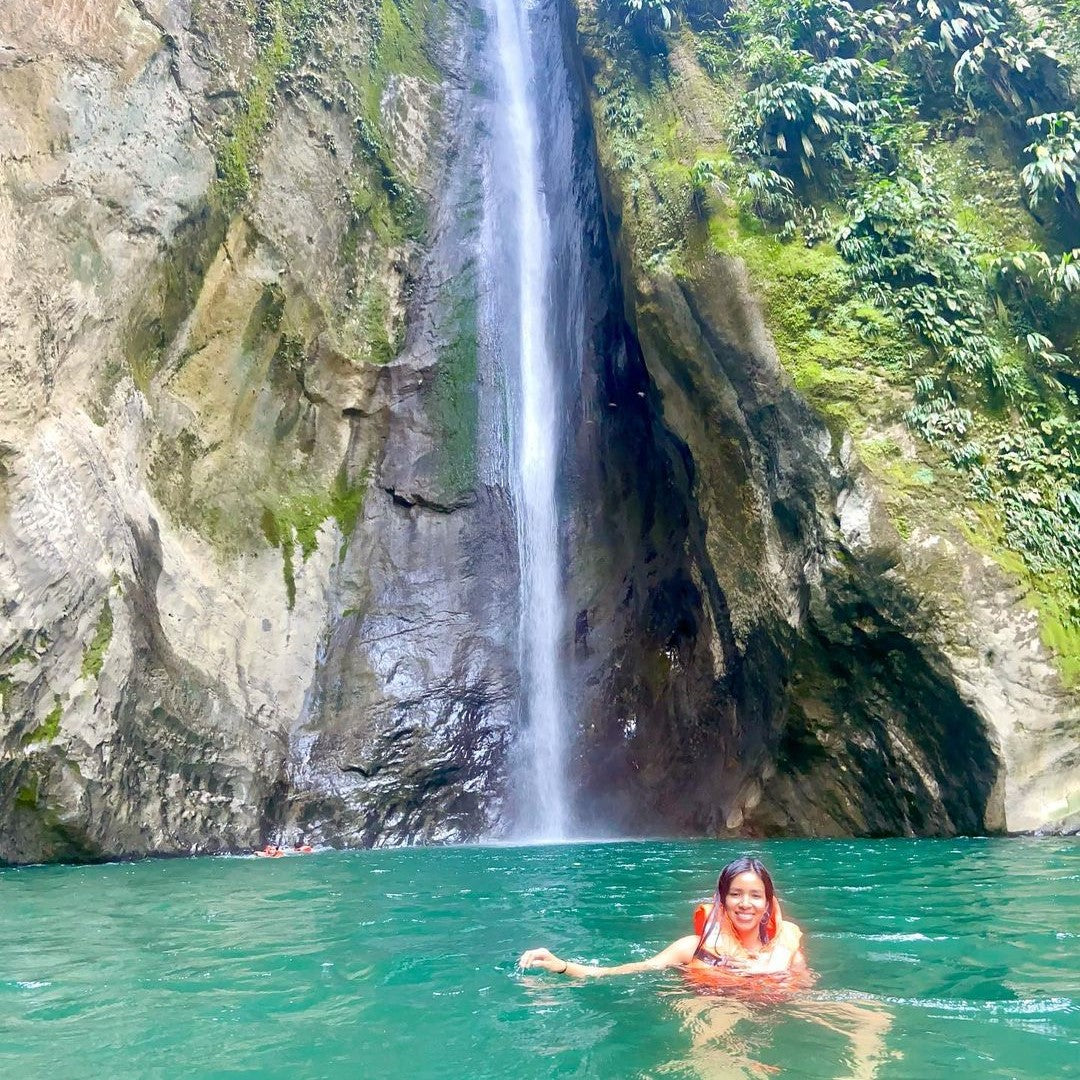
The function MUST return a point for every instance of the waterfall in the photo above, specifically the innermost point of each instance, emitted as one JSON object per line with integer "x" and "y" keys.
{"x": 519, "y": 249}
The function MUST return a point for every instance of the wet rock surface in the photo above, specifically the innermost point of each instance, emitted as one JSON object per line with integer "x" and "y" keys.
{"x": 258, "y": 558}
{"x": 774, "y": 658}
{"x": 241, "y": 587}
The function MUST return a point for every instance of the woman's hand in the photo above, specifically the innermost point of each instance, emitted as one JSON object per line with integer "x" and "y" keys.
{"x": 541, "y": 958}
{"x": 775, "y": 964}
{"x": 734, "y": 966}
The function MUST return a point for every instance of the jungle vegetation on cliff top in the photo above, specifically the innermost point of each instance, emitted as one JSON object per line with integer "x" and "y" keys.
{"x": 934, "y": 146}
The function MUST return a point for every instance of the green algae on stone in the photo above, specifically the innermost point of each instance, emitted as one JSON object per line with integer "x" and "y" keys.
{"x": 169, "y": 295}
{"x": 283, "y": 33}
{"x": 296, "y": 520}
{"x": 840, "y": 351}
{"x": 18, "y": 654}
{"x": 375, "y": 318}
{"x": 26, "y": 797}
{"x": 50, "y": 727}
{"x": 400, "y": 48}
{"x": 1057, "y": 625}
{"x": 32, "y": 816}
{"x": 456, "y": 393}
{"x": 94, "y": 655}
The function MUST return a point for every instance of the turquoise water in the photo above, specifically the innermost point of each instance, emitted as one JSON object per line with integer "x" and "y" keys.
{"x": 936, "y": 958}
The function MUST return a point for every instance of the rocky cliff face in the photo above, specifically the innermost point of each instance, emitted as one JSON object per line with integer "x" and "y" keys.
{"x": 257, "y": 552}
{"x": 213, "y": 479}
{"x": 804, "y": 644}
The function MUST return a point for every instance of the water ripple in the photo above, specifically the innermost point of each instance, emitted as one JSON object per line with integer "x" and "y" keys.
{"x": 395, "y": 963}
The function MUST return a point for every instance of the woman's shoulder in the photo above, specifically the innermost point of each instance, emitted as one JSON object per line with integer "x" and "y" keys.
{"x": 789, "y": 936}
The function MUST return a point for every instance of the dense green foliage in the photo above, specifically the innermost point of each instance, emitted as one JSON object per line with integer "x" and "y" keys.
{"x": 1053, "y": 172}
{"x": 842, "y": 128}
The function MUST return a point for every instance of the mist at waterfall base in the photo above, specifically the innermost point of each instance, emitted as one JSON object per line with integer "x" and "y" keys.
{"x": 943, "y": 957}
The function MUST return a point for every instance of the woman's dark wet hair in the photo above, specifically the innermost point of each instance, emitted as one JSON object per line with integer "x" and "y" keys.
{"x": 746, "y": 864}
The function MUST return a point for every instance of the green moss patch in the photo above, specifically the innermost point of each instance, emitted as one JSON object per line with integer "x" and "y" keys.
{"x": 456, "y": 400}
{"x": 841, "y": 352}
{"x": 49, "y": 728}
{"x": 94, "y": 654}
{"x": 295, "y": 522}
{"x": 1057, "y": 627}
{"x": 167, "y": 298}
{"x": 26, "y": 797}
{"x": 377, "y": 325}
{"x": 400, "y": 47}
{"x": 284, "y": 31}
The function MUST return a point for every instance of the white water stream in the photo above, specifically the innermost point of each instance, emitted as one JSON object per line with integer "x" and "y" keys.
{"x": 522, "y": 246}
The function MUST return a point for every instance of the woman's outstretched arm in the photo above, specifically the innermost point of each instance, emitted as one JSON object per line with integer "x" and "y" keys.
{"x": 675, "y": 955}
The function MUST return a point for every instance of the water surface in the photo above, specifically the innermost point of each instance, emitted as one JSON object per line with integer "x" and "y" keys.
{"x": 936, "y": 958}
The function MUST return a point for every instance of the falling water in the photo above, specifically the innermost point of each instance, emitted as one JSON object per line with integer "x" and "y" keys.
{"x": 521, "y": 246}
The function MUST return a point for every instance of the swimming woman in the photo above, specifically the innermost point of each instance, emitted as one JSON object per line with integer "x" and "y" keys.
{"x": 740, "y": 933}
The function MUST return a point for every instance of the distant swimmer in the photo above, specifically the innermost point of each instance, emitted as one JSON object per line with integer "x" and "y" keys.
{"x": 272, "y": 851}
{"x": 741, "y": 933}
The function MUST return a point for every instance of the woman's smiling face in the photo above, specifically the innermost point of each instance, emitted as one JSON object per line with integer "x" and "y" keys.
{"x": 745, "y": 902}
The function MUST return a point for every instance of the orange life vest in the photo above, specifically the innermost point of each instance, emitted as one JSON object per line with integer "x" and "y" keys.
{"x": 722, "y": 940}
{"x": 717, "y": 940}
